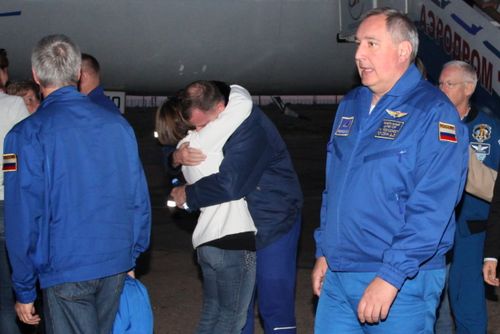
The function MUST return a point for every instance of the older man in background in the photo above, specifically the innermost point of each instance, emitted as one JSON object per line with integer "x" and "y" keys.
{"x": 466, "y": 288}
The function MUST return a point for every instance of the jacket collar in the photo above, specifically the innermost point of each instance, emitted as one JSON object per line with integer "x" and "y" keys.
{"x": 98, "y": 91}
{"x": 408, "y": 81}
{"x": 62, "y": 94}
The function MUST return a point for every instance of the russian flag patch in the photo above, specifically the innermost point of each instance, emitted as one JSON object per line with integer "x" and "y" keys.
{"x": 447, "y": 132}
{"x": 9, "y": 162}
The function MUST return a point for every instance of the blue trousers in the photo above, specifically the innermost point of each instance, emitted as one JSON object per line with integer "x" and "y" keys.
{"x": 444, "y": 322}
{"x": 275, "y": 285}
{"x": 87, "y": 307}
{"x": 228, "y": 281}
{"x": 466, "y": 285}
{"x": 413, "y": 310}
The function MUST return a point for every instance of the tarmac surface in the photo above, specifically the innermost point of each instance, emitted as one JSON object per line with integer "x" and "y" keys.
{"x": 169, "y": 269}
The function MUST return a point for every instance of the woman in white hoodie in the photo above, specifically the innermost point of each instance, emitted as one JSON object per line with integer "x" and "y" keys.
{"x": 224, "y": 237}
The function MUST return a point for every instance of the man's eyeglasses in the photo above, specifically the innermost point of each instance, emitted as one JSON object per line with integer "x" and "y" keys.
{"x": 449, "y": 84}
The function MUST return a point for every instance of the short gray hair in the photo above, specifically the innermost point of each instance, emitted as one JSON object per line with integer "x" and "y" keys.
{"x": 468, "y": 72}
{"x": 56, "y": 61}
{"x": 399, "y": 26}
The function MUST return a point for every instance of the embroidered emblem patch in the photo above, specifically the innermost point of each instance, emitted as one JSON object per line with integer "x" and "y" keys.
{"x": 344, "y": 127}
{"x": 481, "y": 150}
{"x": 9, "y": 162}
{"x": 447, "y": 132}
{"x": 390, "y": 129}
{"x": 396, "y": 113}
{"x": 481, "y": 132}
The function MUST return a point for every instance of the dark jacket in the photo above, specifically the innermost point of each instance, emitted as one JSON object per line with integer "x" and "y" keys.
{"x": 257, "y": 166}
{"x": 98, "y": 97}
{"x": 492, "y": 242}
{"x": 484, "y": 133}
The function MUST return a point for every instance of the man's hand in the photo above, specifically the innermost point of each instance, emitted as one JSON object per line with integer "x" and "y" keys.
{"x": 490, "y": 273}
{"x": 376, "y": 301}
{"x": 187, "y": 156}
{"x": 178, "y": 194}
{"x": 318, "y": 274}
{"x": 26, "y": 313}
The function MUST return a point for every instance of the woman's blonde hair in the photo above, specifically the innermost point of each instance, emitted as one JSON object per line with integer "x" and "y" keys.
{"x": 170, "y": 124}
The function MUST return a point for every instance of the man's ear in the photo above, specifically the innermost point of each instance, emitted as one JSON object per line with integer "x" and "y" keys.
{"x": 470, "y": 87}
{"x": 220, "y": 107}
{"x": 35, "y": 77}
{"x": 405, "y": 49}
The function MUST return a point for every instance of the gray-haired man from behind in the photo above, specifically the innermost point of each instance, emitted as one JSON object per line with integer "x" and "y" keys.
{"x": 77, "y": 210}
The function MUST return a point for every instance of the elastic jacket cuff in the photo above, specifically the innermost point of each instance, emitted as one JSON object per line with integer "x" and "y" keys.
{"x": 392, "y": 276}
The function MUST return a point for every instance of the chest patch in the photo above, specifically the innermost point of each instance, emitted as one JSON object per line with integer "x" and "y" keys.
{"x": 447, "y": 132}
{"x": 9, "y": 162}
{"x": 344, "y": 127}
{"x": 396, "y": 113}
{"x": 481, "y": 132}
{"x": 481, "y": 150}
{"x": 389, "y": 129}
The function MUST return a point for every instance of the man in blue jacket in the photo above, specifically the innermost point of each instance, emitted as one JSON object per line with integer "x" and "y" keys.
{"x": 256, "y": 166}
{"x": 396, "y": 164}
{"x": 466, "y": 288}
{"x": 77, "y": 211}
{"x": 90, "y": 83}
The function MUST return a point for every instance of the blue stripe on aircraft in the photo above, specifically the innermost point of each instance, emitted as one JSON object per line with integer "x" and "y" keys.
{"x": 16, "y": 13}
{"x": 473, "y": 29}
{"x": 441, "y": 3}
{"x": 492, "y": 48}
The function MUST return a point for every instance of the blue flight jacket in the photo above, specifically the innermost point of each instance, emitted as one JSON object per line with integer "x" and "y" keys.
{"x": 484, "y": 136}
{"x": 76, "y": 204}
{"x": 393, "y": 179}
{"x": 256, "y": 166}
{"x": 97, "y": 96}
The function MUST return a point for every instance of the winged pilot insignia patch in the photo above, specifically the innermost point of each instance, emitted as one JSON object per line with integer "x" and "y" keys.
{"x": 396, "y": 113}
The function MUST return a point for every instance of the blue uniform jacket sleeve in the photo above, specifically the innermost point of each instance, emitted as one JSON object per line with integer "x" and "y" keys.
{"x": 142, "y": 219}
{"x": 439, "y": 177}
{"x": 246, "y": 156}
{"x": 24, "y": 213}
{"x": 318, "y": 233}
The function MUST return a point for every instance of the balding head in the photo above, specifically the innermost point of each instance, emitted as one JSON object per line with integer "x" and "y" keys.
{"x": 90, "y": 74}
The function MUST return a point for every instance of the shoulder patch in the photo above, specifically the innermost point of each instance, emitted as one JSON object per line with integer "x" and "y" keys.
{"x": 9, "y": 162}
{"x": 344, "y": 127}
{"x": 481, "y": 132}
{"x": 447, "y": 132}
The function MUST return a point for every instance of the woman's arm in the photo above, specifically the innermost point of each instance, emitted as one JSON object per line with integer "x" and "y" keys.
{"x": 215, "y": 134}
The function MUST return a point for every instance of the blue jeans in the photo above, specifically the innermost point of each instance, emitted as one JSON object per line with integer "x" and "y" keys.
{"x": 413, "y": 310}
{"x": 87, "y": 307}
{"x": 228, "y": 281}
{"x": 275, "y": 286}
{"x": 8, "y": 315}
